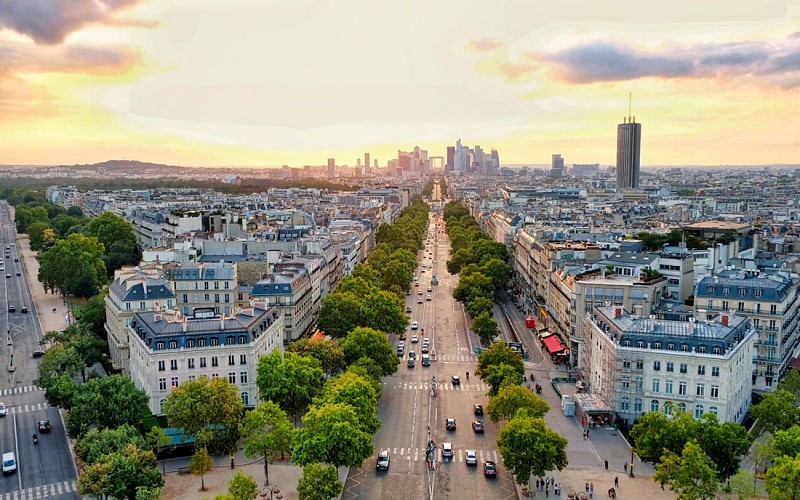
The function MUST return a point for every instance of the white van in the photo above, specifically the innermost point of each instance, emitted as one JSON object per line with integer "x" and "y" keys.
{"x": 9, "y": 463}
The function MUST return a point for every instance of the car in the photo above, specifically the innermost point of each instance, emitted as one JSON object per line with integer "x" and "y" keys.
{"x": 426, "y": 360}
{"x": 472, "y": 457}
{"x": 383, "y": 461}
{"x": 9, "y": 463}
{"x": 401, "y": 344}
{"x": 414, "y": 339}
{"x": 456, "y": 380}
{"x": 422, "y": 271}
{"x": 450, "y": 425}
{"x": 426, "y": 340}
{"x": 11, "y": 309}
{"x": 489, "y": 469}
{"x": 419, "y": 300}
{"x": 426, "y": 348}
{"x": 408, "y": 309}
{"x": 400, "y": 352}
{"x": 447, "y": 450}
{"x": 412, "y": 354}
{"x": 416, "y": 283}
{"x": 430, "y": 289}
{"x": 408, "y": 292}
{"x": 429, "y": 298}
{"x": 403, "y": 336}
{"x": 16, "y": 259}
{"x": 44, "y": 426}
{"x": 19, "y": 273}
{"x": 3, "y": 410}
{"x": 414, "y": 325}
{"x": 419, "y": 293}
{"x": 24, "y": 309}
{"x": 38, "y": 354}
{"x": 477, "y": 427}
{"x": 8, "y": 276}
{"x": 477, "y": 409}
{"x": 410, "y": 363}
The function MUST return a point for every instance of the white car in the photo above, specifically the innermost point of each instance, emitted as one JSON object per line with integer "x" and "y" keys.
{"x": 414, "y": 339}
{"x": 472, "y": 457}
{"x": 3, "y": 410}
{"x": 414, "y": 325}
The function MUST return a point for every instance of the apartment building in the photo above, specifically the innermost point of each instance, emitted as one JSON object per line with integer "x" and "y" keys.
{"x": 640, "y": 364}
{"x": 169, "y": 348}
{"x": 203, "y": 284}
{"x": 290, "y": 290}
{"x": 770, "y": 299}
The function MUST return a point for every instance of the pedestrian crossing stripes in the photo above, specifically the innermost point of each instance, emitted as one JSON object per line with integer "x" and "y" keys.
{"x": 418, "y": 454}
{"x": 442, "y": 386}
{"x": 66, "y": 489}
{"x": 14, "y": 410}
{"x": 20, "y": 390}
{"x": 471, "y": 358}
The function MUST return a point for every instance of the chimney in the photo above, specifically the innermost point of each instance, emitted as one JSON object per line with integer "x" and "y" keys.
{"x": 185, "y": 324}
{"x": 618, "y": 312}
{"x": 222, "y": 322}
{"x": 724, "y": 319}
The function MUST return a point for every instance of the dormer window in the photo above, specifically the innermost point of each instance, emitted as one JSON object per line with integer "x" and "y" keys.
{"x": 159, "y": 346}
{"x": 173, "y": 344}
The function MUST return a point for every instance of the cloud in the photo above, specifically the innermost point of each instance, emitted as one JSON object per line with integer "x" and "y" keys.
{"x": 485, "y": 44}
{"x": 49, "y": 22}
{"x": 515, "y": 70}
{"x": 19, "y": 57}
{"x": 774, "y": 62}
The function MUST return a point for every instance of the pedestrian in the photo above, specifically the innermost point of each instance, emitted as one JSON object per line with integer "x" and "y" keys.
{"x": 606, "y": 463}
{"x": 552, "y": 480}
{"x": 616, "y": 481}
{"x": 547, "y": 491}
{"x": 587, "y": 433}
{"x": 625, "y": 466}
{"x": 591, "y": 487}
{"x": 586, "y": 487}
{"x": 537, "y": 484}
{"x": 662, "y": 485}
{"x": 547, "y": 482}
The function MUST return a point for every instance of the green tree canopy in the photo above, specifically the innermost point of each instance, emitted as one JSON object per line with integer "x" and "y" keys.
{"x": 117, "y": 237}
{"x": 498, "y": 271}
{"x": 70, "y": 261}
{"x": 340, "y": 313}
{"x": 97, "y": 443}
{"x": 485, "y": 327}
{"x": 356, "y": 391}
{"x": 480, "y": 305}
{"x": 787, "y": 442}
{"x": 777, "y": 411}
{"x": 496, "y": 354}
{"x": 783, "y": 478}
{"x": 266, "y": 432}
{"x": 328, "y": 353}
{"x": 383, "y": 311}
{"x": 200, "y": 464}
{"x": 692, "y": 475}
{"x": 369, "y": 343}
{"x": 242, "y": 487}
{"x": 105, "y": 402}
{"x": 511, "y": 398}
{"x": 120, "y": 474}
{"x": 57, "y": 369}
{"x": 290, "y": 380}
{"x": 529, "y": 448}
{"x": 39, "y": 236}
{"x": 332, "y": 434}
{"x": 319, "y": 482}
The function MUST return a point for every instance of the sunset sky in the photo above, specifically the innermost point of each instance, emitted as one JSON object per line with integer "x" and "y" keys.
{"x": 273, "y": 82}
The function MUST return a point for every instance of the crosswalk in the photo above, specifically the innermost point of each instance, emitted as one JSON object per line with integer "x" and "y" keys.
{"x": 443, "y": 386}
{"x": 418, "y": 454}
{"x": 463, "y": 358}
{"x": 20, "y": 390}
{"x": 16, "y": 410}
{"x": 66, "y": 489}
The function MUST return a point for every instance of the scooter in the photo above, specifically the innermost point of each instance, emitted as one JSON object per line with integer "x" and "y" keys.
{"x": 35, "y": 439}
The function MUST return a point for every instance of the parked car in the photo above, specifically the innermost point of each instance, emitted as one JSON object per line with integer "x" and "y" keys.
{"x": 410, "y": 363}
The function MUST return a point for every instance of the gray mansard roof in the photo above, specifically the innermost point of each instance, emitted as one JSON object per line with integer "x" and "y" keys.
{"x": 141, "y": 288}
{"x": 729, "y": 284}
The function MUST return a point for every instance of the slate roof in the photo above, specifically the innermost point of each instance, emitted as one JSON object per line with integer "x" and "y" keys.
{"x": 141, "y": 287}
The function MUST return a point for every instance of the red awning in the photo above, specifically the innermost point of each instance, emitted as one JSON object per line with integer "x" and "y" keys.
{"x": 553, "y": 344}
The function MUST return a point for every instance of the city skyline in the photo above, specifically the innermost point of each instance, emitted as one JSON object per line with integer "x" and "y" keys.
{"x": 271, "y": 83}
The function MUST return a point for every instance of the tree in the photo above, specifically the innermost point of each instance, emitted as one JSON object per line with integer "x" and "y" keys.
{"x": 777, "y": 411}
{"x": 92, "y": 348}
{"x": 723, "y": 443}
{"x": 242, "y": 487}
{"x": 398, "y": 273}
{"x": 366, "y": 342}
{"x": 38, "y": 235}
{"x": 485, "y": 327}
{"x": 498, "y": 271}
{"x": 328, "y": 353}
{"x": 654, "y": 434}
{"x": 332, "y": 434}
{"x": 206, "y": 409}
{"x": 290, "y": 380}
{"x": 791, "y": 383}
{"x": 692, "y": 474}
{"x": 92, "y": 317}
{"x": 117, "y": 237}
{"x": 65, "y": 224}
{"x": 319, "y": 482}
{"x": 383, "y": 311}
{"x": 121, "y": 474}
{"x": 783, "y": 478}
{"x": 498, "y": 376}
{"x": 743, "y": 484}
{"x": 787, "y": 442}
{"x": 105, "y": 402}
{"x": 157, "y": 440}
{"x": 529, "y": 448}
{"x": 356, "y": 391}
{"x": 58, "y": 367}
{"x": 69, "y": 261}
{"x": 473, "y": 286}
{"x": 266, "y": 431}
{"x": 75, "y": 211}
{"x": 340, "y": 313}
{"x": 97, "y": 443}
{"x": 368, "y": 273}
{"x": 369, "y": 369}
{"x": 496, "y": 354}
{"x": 478, "y": 306}
{"x": 200, "y": 464}
{"x": 513, "y": 397}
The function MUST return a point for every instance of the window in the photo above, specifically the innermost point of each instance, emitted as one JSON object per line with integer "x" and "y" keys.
{"x": 710, "y": 304}
{"x": 161, "y": 365}
{"x": 189, "y": 342}
{"x": 684, "y": 368}
{"x": 626, "y": 364}
{"x": 715, "y": 369}
{"x": 626, "y": 383}
{"x": 712, "y": 409}
{"x": 726, "y": 290}
{"x": 162, "y": 384}
{"x": 242, "y": 377}
{"x": 740, "y": 306}
{"x": 714, "y": 391}
{"x": 710, "y": 289}
{"x": 231, "y": 360}
{"x": 654, "y": 405}
{"x": 670, "y": 346}
{"x": 190, "y": 363}
{"x": 701, "y": 349}
{"x": 127, "y": 306}
{"x": 192, "y": 377}
{"x": 230, "y": 340}
{"x": 639, "y": 383}
{"x": 725, "y": 305}
{"x": 716, "y": 351}
{"x": 758, "y": 310}
{"x": 682, "y": 388}
{"x": 684, "y": 348}
{"x": 216, "y": 285}
{"x": 701, "y": 369}
{"x": 207, "y": 297}
{"x": 245, "y": 398}
{"x": 656, "y": 345}
{"x": 174, "y": 382}
{"x": 668, "y": 386}
{"x": 640, "y": 344}
{"x": 701, "y": 390}
{"x": 173, "y": 344}
{"x": 214, "y": 361}
{"x": 232, "y": 377}
{"x": 216, "y": 298}
{"x": 656, "y": 385}
{"x": 201, "y": 343}
{"x": 637, "y": 405}
{"x": 185, "y": 298}
{"x": 214, "y": 376}
{"x": 624, "y": 404}
{"x": 173, "y": 364}
{"x": 758, "y": 292}
{"x": 242, "y": 339}
{"x": 640, "y": 365}
{"x": 227, "y": 297}
{"x": 667, "y": 408}
{"x": 682, "y": 407}
{"x": 205, "y": 285}
{"x": 243, "y": 359}
{"x": 656, "y": 365}
{"x": 698, "y": 411}
{"x": 161, "y": 404}
{"x": 741, "y": 292}
{"x": 159, "y": 346}
{"x": 214, "y": 341}
{"x": 773, "y": 309}
{"x": 202, "y": 362}
{"x": 670, "y": 366}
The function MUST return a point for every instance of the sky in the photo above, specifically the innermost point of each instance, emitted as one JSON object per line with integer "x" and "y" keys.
{"x": 274, "y": 82}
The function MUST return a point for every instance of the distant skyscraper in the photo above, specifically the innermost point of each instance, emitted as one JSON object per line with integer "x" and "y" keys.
{"x": 461, "y": 161}
{"x": 557, "y": 166}
{"x": 366, "y": 161}
{"x": 331, "y": 168}
{"x": 495, "y": 163}
{"x": 629, "y": 138}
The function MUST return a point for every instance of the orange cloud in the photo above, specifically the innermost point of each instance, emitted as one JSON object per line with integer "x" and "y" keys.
{"x": 485, "y": 44}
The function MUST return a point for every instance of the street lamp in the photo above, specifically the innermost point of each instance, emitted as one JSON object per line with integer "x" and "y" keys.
{"x": 631, "y": 463}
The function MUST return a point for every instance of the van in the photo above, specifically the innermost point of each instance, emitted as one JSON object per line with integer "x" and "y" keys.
{"x": 426, "y": 360}
{"x": 9, "y": 463}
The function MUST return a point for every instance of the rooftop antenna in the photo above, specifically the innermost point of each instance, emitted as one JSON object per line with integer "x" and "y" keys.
{"x": 630, "y": 97}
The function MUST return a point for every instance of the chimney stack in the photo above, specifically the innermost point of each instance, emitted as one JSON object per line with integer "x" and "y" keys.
{"x": 724, "y": 319}
{"x": 618, "y": 312}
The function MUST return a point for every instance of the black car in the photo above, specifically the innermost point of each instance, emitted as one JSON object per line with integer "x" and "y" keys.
{"x": 489, "y": 469}
{"x": 477, "y": 409}
{"x": 451, "y": 424}
{"x": 456, "y": 380}
{"x": 383, "y": 461}
{"x": 24, "y": 309}
{"x": 44, "y": 426}
{"x": 11, "y": 309}
{"x": 477, "y": 426}
{"x": 38, "y": 354}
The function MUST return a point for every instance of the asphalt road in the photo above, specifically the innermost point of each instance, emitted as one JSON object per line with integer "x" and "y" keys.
{"x": 45, "y": 469}
{"x": 410, "y": 414}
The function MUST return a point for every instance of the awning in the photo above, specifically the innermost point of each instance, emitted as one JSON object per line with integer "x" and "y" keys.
{"x": 553, "y": 344}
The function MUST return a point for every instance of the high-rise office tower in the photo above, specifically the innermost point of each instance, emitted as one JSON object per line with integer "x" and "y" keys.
{"x": 557, "y": 166}
{"x": 629, "y": 137}
{"x": 366, "y": 161}
{"x": 495, "y": 163}
{"x": 451, "y": 155}
{"x": 331, "y": 168}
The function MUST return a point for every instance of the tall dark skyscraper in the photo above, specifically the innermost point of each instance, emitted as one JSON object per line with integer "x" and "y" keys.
{"x": 629, "y": 138}
{"x": 451, "y": 155}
